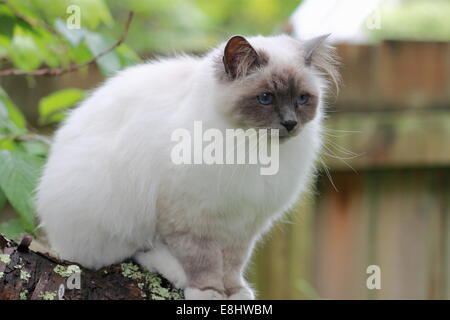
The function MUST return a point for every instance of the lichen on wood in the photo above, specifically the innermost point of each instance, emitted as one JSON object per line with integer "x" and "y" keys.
{"x": 25, "y": 274}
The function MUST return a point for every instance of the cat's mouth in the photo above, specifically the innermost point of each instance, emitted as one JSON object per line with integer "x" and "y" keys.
{"x": 283, "y": 135}
{"x": 286, "y": 137}
{"x": 289, "y": 135}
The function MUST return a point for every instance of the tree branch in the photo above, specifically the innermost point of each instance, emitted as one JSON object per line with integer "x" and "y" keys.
{"x": 30, "y": 275}
{"x": 73, "y": 67}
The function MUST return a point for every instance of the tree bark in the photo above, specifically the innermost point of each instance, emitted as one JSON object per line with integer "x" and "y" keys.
{"x": 30, "y": 275}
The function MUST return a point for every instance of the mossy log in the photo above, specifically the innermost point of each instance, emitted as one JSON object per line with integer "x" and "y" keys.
{"x": 30, "y": 275}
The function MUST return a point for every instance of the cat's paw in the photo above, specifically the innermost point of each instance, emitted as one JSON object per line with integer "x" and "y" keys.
{"x": 191, "y": 293}
{"x": 242, "y": 294}
{"x": 160, "y": 260}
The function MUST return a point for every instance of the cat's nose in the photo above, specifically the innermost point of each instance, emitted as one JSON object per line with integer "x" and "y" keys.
{"x": 289, "y": 125}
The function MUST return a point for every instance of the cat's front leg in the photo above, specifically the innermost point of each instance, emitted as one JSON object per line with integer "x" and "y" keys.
{"x": 235, "y": 259}
{"x": 161, "y": 260}
{"x": 201, "y": 259}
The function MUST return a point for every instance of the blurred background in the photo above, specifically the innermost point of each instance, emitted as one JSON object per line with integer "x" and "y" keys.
{"x": 382, "y": 196}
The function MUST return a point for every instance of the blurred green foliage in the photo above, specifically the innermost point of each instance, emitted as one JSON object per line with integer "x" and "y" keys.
{"x": 34, "y": 35}
{"x": 22, "y": 154}
{"x": 195, "y": 25}
{"x": 159, "y": 25}
{"x": 414, "y": 20}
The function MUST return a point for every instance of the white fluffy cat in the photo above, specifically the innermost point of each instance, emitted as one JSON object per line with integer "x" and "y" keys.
{"x": 110, "y": 190}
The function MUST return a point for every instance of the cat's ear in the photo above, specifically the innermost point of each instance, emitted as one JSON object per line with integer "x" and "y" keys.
{"x": 240, "y": 58}
{"x": 322, "y": 57}
{"x": 313, "y": 45}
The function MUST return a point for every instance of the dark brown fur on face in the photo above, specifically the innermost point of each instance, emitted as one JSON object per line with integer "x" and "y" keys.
{"x": 251, "y": 72}
{"x": 286, "y": 85}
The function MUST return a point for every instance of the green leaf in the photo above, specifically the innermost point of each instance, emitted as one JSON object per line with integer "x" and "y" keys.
{"x": 25, "y": 8}
{"x": 2, "y": 199}
{"x": 7, "y": 143}
{"x": 35, "y": 148}
{"x": 23, "y": 51}
{"x": 109, "y": 63}
{"x": 11, "y": 118}
{"x": 53, "y": 104}
{"x": 19, "y": 173}
{"x": 126, "y": 55}
{"x": 12, "y": 229}
{"x": 50, "y": 49}
{"x": 54, "y": 118}
{"x": 74, "y": 36}
{"x": 94, "y": 12}
{"x": 6, "y": 25}
{"x": 80, "y": 54}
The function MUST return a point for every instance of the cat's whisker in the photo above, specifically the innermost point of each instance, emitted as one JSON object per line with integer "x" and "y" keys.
{"x": 339, "y": 130}
{"x": 337, "y": 157}
{"x": 337, "y": 134}
{"x": 346, "y": 155}
{"x": 341, "y": 158}
{"x": 327, "y": 171}
{"x": 341, "y": 148}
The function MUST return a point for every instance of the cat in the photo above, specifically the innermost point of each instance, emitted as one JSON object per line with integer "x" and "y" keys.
{"x": 109, "y": 190}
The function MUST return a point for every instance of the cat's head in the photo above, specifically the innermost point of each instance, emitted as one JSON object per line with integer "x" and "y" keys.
{"x": 274, "y": 82}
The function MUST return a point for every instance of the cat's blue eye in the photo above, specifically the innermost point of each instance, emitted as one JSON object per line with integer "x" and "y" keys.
{"x": 303, "y": 99}
{"x": 265, "y": 98}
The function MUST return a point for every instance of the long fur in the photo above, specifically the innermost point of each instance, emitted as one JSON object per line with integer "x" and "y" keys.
{"x": 110, "y": 190}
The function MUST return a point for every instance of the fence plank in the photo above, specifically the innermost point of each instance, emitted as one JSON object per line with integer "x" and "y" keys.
{"x": 396, "y": 75}
{"x": 388, "y": 139}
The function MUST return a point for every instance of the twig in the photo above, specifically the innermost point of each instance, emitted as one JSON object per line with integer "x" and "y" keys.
{"x": 73, "y": 67}
{"x": 25, "y": 243}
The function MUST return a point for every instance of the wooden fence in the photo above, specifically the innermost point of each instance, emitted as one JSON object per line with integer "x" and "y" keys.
{"x": 393, "y": 209}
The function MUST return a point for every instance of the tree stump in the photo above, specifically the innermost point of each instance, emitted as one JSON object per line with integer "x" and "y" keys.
{"x": 30, "y": 275}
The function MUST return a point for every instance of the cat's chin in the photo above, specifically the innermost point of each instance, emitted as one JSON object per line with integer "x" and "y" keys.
{"x": 286, "y": 138}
